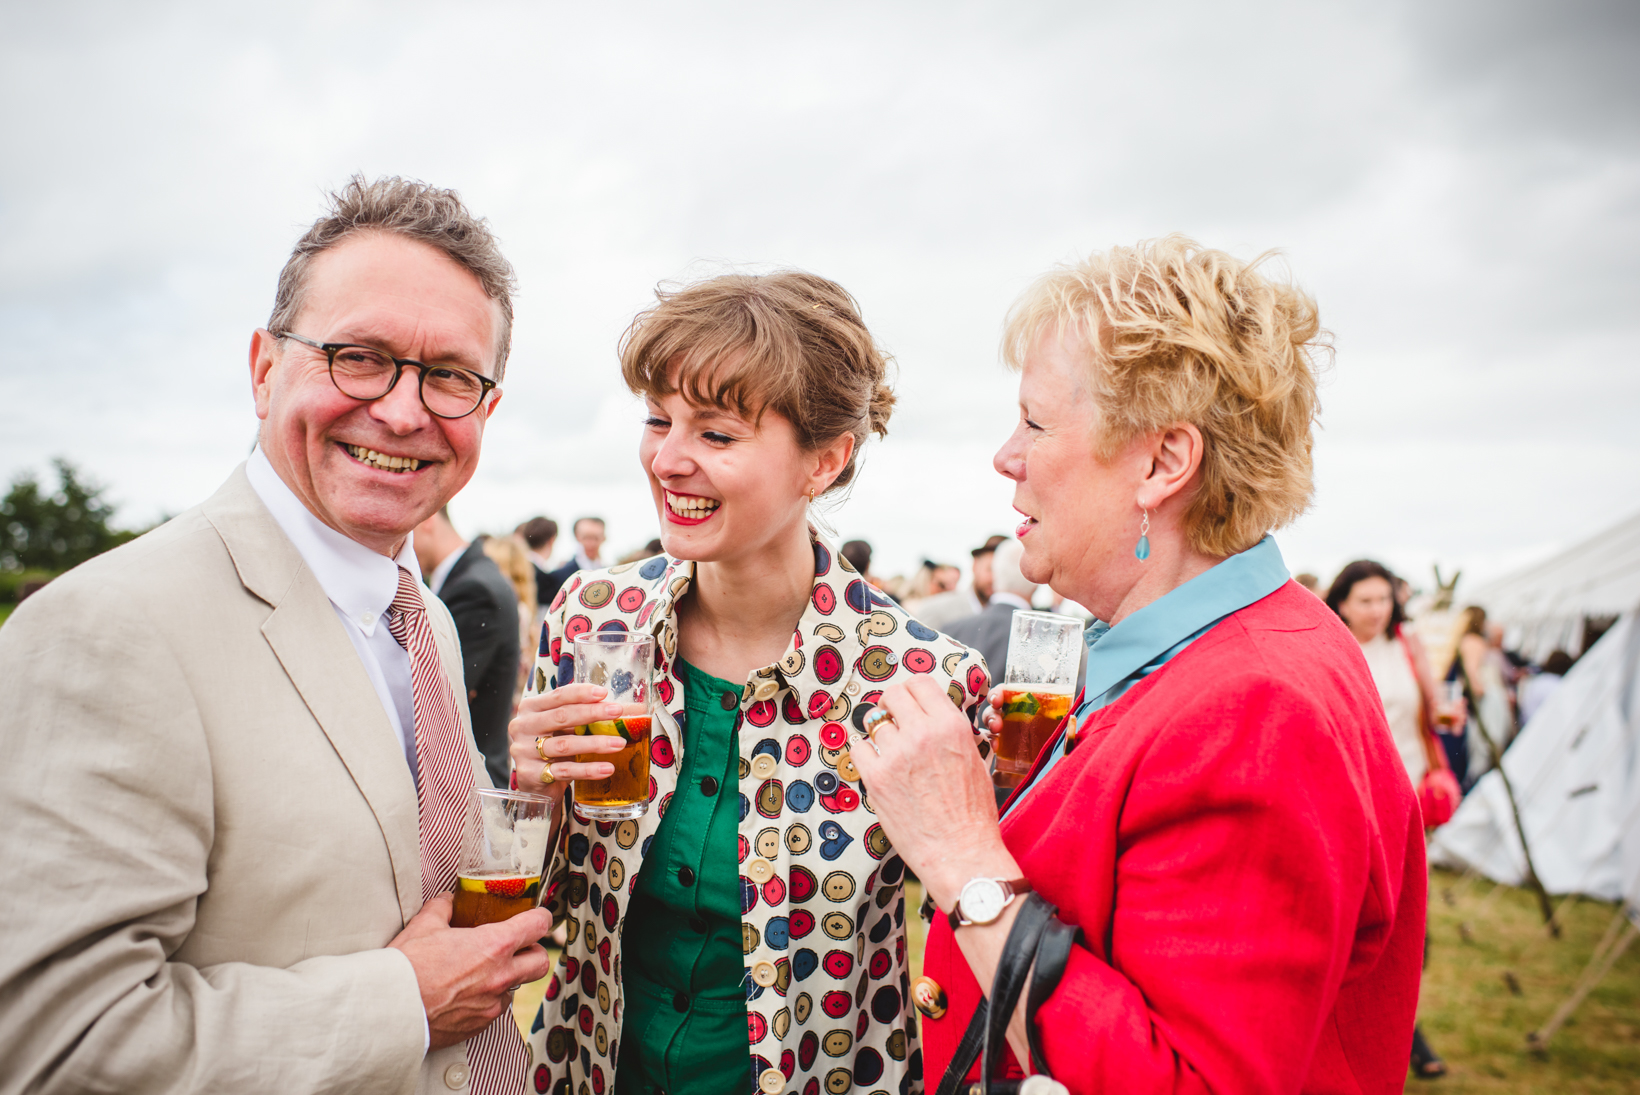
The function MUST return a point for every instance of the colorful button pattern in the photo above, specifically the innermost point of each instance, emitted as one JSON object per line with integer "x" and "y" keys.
{"x": 823, "y": 920}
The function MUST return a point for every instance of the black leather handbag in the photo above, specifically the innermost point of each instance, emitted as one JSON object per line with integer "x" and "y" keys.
{"x": 1038, "y": 936}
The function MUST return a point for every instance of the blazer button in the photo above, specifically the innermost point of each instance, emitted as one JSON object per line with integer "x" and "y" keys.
{"x": 697, "y": 924}
{"x": 681, "y": 1001}
{"x": 764, "y": 974}
{"x": 763, "y": 766}
{"x": 709, "y": 786}
{"x": 455, "y": 1077}
{"x": 686, "y": 876}
{"x": 929, "y": 997}
{"x": 760, "y": 871}
{"x": 729, "y": 701}
{"x": 772, "y": 1082}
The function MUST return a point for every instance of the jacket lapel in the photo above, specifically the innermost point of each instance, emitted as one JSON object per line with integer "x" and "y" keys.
{"x": 323, "y": 666}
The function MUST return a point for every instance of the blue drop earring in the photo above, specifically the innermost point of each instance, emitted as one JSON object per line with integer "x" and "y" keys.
{"x": 1142, "y": 551}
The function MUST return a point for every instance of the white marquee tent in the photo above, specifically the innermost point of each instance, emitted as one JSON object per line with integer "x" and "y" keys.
{"x": 1576, "y": 772}
{"x": 1544, "y": 606}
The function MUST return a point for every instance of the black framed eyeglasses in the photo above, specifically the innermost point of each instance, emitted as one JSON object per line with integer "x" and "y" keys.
{"x": 367, "y": 374}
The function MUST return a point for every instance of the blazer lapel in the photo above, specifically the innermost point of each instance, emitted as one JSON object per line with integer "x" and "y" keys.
{"x": 322, "y": 664}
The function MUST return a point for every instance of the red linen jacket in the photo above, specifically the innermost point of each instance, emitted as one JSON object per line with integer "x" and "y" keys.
{"x": 1238, "y": 841}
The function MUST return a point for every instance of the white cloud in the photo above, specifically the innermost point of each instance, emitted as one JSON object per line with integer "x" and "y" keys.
{"x": 1459, "y": 190}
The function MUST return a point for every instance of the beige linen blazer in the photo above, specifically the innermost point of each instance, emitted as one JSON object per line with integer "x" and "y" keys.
{"x": 210, "y": 831}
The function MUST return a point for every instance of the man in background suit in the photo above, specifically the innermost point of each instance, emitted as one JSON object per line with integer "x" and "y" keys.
{"x": 988, "y": 631}
{"x": 485, "y": 608}
{"x": 539, "y": 534}
{"x": 589, "y": 546}
{"x": 232, "y": 762}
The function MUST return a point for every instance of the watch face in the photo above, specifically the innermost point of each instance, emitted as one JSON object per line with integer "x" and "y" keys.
{"x": 982, "y": 900}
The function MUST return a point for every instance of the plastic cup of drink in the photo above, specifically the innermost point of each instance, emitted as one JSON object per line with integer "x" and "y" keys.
{"x": 503, "y": 853}
{"x": 1044, "y": 655}
{"x": 625, "y": 665}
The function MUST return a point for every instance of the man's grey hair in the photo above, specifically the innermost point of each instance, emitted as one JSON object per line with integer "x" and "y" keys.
{"x": 416, "y": 211}
{"x": 1005, "y": 574}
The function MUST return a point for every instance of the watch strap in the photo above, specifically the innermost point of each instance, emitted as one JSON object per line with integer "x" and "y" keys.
{"x": 1013, "y": 886}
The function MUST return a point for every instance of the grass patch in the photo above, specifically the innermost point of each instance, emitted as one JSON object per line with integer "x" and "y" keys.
{"x": 1473, "y": 1019}
{"x": 5, "y": 610}
{"x": 1468, "y": 1012}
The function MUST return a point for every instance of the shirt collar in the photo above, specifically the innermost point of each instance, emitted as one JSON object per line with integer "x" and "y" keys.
{"x": 1116, "y": 653}
{"x": 441, "y": 573}
{"x": 1001, "y": 597}
{"x": 541, "y": 561}
{"x": 360, "y": 582}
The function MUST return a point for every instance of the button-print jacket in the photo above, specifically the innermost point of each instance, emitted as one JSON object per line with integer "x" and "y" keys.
{"x": 823, "y": 911}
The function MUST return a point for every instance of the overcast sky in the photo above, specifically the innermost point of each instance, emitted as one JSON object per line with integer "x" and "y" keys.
{"x": 1457, "y": 184}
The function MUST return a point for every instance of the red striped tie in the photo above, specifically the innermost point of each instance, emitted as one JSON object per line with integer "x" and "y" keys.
{"x": 496, "y": 1055}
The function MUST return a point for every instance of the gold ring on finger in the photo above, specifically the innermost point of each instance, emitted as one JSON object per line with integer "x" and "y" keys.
{"x": 547, "y": 778}
{"x": 541, "y": 747}
{"x": 874, "y": 721}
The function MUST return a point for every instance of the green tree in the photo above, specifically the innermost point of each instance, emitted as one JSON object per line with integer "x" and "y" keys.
{"x": 58, "y": 530}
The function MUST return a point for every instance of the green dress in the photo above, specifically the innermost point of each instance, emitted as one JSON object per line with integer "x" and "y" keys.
{"x": 684, "y": 1029}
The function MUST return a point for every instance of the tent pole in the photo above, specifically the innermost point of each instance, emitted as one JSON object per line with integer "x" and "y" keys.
{"x": 1533, "y": 883}
{"x": 1599, "y": 965}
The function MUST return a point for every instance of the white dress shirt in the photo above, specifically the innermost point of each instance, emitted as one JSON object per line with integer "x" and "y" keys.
{"x": 361, "y": 585}
{"x": 435, "y": 580}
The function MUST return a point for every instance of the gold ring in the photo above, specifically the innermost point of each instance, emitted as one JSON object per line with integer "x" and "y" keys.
{"x": 873, "y": 722}
{"x": 547, "y": 778}
{"x": 540, "y": 747}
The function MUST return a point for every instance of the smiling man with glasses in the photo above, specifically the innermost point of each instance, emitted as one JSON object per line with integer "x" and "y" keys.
{"x": 236, "y": 752}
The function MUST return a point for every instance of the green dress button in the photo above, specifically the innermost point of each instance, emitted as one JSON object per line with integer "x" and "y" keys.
{"x": 729, "y": 701}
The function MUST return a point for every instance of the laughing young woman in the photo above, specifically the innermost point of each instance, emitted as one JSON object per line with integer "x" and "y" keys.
{"x": 758, "y": 897}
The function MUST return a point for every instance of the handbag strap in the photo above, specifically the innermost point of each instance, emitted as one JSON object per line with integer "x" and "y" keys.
{"x": 1053, "y": 953}
{"x": 1013, "y": 968}
{"x": 1038, "y": 945}
{"x": 973, "y": 1039}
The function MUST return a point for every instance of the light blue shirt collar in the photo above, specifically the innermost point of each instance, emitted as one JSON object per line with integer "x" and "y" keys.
{"x": 1151, "y": 637}
{"x": 1117, "y": 653}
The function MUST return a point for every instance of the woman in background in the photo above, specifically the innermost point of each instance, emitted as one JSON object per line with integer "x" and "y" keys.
{"x": 1364, "y": 597}
{"x": 1492, "y": 722}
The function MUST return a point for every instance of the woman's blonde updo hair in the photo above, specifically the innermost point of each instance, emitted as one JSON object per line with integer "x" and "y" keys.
{"x": 788, "y": 341}
{"x": 1175, "y": 332}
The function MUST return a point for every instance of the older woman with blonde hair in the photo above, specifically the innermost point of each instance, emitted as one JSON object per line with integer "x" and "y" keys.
{"x": 1223, "y": 822}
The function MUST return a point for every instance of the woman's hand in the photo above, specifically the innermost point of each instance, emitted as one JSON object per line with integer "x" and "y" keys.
{"x": 931, "y": 791}
{"x": 545, "y": 727}
{"x": 993, "y": 721}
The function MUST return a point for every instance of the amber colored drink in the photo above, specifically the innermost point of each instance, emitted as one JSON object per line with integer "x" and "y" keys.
{"x": 622, "y": 794}
{"x": 492, "y": 898}
{"x": 1028, "y": 722}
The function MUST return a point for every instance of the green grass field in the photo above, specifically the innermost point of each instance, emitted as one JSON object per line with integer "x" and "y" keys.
{"x": 5, "y": 610}
{"x": 1479, "y": 1025}
{"x": 1468, "y": 1012}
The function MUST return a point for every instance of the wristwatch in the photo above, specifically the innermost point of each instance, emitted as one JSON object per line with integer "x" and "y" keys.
{"x": 983, "y": 899}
